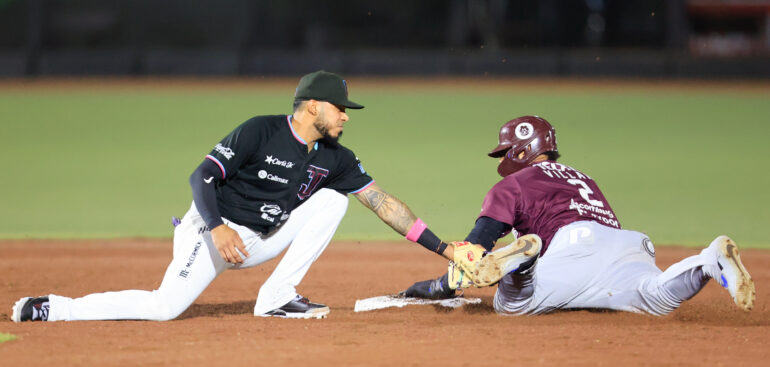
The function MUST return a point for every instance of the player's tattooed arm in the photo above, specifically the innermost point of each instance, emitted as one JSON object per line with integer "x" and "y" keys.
{"x": 391, "y": 210}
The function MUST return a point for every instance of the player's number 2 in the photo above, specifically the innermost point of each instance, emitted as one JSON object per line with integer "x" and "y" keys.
{"x": 584, "y": 191}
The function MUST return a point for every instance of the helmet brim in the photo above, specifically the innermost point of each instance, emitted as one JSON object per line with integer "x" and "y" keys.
{"x": 499, "y": 151}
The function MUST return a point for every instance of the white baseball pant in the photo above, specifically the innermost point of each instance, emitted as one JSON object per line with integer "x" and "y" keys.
{"x": 589, "y": 265}
{"x": 197, "y": 263}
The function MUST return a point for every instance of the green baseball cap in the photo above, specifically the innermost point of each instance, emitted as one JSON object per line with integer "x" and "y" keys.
{"x": 325, "y": 86}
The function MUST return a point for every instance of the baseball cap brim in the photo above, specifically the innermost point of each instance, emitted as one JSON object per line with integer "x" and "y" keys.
{"x": 349, "y": 104}
{"x": 344, "y": 103}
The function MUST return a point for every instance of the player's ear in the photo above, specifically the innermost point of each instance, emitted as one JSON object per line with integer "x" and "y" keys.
{"x": 312, "y": 107}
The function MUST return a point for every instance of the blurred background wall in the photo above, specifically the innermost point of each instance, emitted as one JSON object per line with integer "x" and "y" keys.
{"x": 584, "y": 38}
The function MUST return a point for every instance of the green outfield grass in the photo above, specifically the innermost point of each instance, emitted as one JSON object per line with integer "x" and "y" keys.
{"x": 6, "y": 337}
{"x": 681, "y": 164}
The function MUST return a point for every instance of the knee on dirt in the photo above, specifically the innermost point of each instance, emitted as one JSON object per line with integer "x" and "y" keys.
{"x": 168, "y": 309}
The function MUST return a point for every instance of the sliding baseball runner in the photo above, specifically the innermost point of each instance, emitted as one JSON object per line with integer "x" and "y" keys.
{"x": 573, "y": 252}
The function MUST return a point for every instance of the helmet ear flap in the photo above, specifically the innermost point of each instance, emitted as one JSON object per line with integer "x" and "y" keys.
{"x": 515, "y": 155}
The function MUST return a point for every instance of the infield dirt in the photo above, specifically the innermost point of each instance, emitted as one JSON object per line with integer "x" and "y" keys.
{"x": 219, "y": 328}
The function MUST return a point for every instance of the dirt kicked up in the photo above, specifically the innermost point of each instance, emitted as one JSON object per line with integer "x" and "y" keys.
{"x": 219, "y": 328}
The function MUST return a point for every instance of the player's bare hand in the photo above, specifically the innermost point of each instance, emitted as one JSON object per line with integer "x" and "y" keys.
{"x": 229, "y": 244}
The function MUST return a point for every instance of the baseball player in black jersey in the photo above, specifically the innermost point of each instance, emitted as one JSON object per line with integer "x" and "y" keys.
{"x": 273, "y": 182}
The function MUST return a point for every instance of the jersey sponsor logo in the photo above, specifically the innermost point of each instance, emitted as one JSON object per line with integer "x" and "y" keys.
{"x": 271, "y": 209}
{"x": 268, "y": 218}
{"x": 208, "y": 180}
{"x": 524, "y": 130}
{"x": 603, "y": 215}
{"x": 584, "y": 208}
{"x": 225, "y": 151}
{"x": 275, "y": 161}
{"x": 264, "y": 175}
{"x": 315, "y": 175}
{"x": 277, "y": 179}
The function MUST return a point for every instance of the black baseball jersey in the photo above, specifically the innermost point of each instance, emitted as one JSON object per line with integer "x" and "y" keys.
{"x": 267, "y": 171}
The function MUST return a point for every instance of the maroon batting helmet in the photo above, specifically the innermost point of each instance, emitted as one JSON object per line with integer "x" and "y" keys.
{"x": 531, "y": 135}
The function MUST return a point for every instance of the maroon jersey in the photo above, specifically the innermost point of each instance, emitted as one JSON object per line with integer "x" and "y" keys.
{"x": 544, "y": 197}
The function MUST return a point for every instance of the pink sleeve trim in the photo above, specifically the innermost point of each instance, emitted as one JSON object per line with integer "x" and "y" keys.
{"x": 363, "y": 188}
{"x": 417, "y": 228}
{"x": 221, "y": 167}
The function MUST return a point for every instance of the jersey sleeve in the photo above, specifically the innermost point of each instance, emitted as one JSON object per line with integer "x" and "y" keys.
{"x": 352, "y": 177}
{"x": 237, "y": 147}
{"x": 202, "y": 182}
{"x": 500, "y": 202}
{"x": 487, "y": 231}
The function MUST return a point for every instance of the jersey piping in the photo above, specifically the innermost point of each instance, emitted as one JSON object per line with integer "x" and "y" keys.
{"x": 363, "y": 188}
{"x": 221, "y": 167}
{"x": 296, "y": 136}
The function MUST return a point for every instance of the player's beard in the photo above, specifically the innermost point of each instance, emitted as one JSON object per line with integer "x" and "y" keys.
{"x": 321, "y": 127}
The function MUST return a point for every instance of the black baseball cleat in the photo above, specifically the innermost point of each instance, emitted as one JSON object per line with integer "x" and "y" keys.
{"x": 299, "y": 308}
{"x": 430, "y": 289}
{"x": 30, "y": 309}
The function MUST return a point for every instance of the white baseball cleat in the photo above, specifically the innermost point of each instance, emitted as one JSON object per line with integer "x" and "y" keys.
{"x": 519, "y": 255}
{"x": 733, "y": 275}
